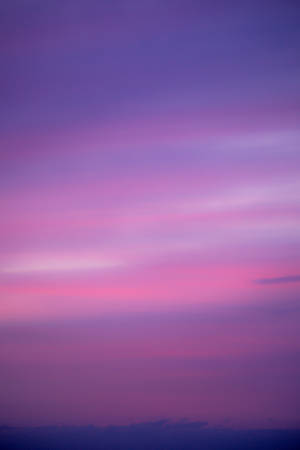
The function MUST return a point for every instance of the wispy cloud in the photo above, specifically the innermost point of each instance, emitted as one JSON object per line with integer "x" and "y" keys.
{"x": 59, "y": 264}
{"x": 279, "y": 280}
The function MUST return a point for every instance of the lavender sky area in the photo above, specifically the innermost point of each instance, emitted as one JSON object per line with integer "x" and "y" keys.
{"x": 150, "y": 215}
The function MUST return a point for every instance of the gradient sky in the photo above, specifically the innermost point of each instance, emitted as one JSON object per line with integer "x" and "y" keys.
{"x": 150, "y": 214}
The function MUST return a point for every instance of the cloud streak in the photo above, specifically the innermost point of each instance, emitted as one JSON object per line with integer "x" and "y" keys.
{"x": 279, "y": 280}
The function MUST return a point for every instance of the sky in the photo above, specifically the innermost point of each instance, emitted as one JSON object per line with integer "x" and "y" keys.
{"x": 150, "y": 215}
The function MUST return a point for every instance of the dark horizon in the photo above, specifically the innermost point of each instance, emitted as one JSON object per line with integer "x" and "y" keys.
{"x": 156, "y": 435}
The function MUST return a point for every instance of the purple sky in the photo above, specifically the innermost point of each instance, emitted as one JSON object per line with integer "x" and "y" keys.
{"x": 150, "y": 215}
